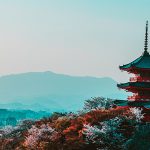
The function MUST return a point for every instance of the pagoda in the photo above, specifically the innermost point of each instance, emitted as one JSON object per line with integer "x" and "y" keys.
{"x": 139, "y": 84}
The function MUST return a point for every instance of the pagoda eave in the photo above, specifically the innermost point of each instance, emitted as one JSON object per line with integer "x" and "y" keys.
{"x": 133, "y": 87}
{"x": 134, "y": 69}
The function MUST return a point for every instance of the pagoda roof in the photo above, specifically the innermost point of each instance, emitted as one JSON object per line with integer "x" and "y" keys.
{"x": 142, "y": 62}
{"x": 143, "y": 85}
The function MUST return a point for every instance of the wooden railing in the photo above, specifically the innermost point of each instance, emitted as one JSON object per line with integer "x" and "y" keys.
{"x": 137, "y": 97}
{"x": 139, "y": 79}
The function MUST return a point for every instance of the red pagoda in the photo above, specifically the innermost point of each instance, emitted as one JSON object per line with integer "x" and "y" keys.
{"x": 139, "y": 85}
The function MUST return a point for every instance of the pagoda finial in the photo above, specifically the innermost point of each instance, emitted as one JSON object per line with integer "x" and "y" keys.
{"x": 146, "y": 38}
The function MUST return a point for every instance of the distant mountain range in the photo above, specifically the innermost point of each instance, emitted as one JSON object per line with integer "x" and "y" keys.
{"x": 53, "y": 92}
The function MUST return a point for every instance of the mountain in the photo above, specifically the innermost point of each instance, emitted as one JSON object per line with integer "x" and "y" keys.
{"x": 19, "y": 106}
{"x": 54, "y": 92}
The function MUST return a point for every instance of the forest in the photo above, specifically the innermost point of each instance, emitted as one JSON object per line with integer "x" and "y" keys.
{"x": 10, "y": 117}
{"x": 100, "y": 125}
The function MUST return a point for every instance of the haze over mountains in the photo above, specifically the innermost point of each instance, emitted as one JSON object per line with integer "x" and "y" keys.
{"x": 53, "y": 92}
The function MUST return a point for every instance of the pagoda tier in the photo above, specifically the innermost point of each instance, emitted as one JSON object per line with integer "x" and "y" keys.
{"x": 140, "y": 90}
{"x": 135, "y": 86}
{"x": 139, "y": 85}
{"x": 141, "y": 64}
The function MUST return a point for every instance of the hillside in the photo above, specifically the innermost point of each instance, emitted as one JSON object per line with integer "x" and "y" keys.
{"x": 54, "y": 92}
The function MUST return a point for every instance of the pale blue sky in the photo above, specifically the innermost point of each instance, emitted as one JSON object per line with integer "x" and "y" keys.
{"x": 75, "y": 37}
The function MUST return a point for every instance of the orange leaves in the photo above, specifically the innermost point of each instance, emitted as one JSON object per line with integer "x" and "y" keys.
{"x": 72, "y": 132}
{"x": 62, "y": 123}
{"x": 65, "y": 131}
{"x": 96, "y": 116}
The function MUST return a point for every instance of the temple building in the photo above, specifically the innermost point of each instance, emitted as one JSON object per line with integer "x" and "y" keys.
{"x": 139, "y": 85}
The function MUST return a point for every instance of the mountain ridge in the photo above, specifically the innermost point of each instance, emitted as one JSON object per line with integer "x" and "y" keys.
{"x": 50, "y": 72}
{"x": 55, "y": 91}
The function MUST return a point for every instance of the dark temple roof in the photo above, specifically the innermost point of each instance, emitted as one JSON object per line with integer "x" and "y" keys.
{"x": 134, "y": 84}
{"x": 141, "y": 62}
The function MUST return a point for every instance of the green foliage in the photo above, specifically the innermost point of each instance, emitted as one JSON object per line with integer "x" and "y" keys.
{"x": 98, "y": 103}
{"x": 140, "y": 139}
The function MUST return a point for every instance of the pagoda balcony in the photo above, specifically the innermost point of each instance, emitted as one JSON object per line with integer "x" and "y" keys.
{"x": 140, "y": 79}
{"x": 138, "y": 98}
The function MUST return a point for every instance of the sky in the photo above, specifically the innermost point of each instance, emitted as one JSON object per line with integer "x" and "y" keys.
{"x": 74, "y": 37}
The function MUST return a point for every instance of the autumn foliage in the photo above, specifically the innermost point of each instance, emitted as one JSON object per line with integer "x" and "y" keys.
{"x": 94, "y": 128}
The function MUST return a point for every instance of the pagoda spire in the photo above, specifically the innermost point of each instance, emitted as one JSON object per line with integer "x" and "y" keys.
{"x": 146, "y": 38}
